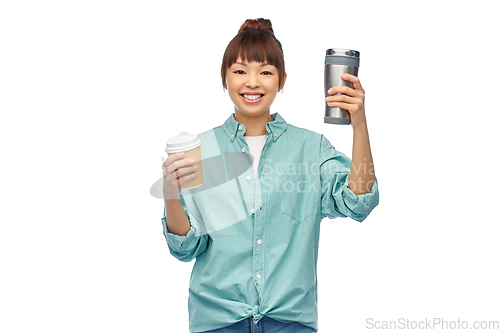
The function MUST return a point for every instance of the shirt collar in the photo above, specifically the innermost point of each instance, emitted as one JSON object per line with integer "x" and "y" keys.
{"x": 275, "y": 127}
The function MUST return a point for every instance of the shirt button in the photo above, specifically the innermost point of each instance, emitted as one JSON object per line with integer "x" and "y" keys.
{"x": 253, "y": 210}
{"x": 260, "y": 207}
{"x": 243, "y": 149}
{"x": 259, "y": 242}
{"x": 260, "y": 177}
{"x": 232, "y": 136}
{"x": 240, "y": 127}
{"x": 249, "y": 177}
{"x": 275, "y": 135}
{"x": 258, "y": 276}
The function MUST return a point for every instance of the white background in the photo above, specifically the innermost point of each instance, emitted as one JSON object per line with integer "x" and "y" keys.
{"x": 91, "y": 90}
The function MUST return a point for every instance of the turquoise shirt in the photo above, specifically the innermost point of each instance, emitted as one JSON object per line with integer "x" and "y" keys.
{"x": 255, "y": 240}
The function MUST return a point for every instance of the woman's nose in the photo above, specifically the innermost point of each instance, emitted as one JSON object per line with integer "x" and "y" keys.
{"x": 253, "y": 81}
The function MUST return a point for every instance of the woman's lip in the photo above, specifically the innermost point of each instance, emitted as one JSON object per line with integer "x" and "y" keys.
{"x": 252, "y": 101}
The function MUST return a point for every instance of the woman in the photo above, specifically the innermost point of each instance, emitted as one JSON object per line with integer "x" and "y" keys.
{"x": 255, "y": 236}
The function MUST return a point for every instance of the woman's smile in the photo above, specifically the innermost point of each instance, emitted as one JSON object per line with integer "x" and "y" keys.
{"x": 252, "y": 98}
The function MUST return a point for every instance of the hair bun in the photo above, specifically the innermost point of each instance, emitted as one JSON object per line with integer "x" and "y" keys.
{"x": 260, "y": 24}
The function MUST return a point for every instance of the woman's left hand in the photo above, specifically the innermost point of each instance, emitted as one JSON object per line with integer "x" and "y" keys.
{"x": 352, "y": 100}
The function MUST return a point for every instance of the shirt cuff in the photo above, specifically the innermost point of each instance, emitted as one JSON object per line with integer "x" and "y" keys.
{"x": 179, "y": 243}
{"x": 360, "y": 204}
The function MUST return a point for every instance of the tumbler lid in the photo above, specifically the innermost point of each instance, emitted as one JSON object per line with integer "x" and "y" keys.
{"x": 342, "y": 57}
{"x": 183, "y": 142}
{"x": 342, "y": 52}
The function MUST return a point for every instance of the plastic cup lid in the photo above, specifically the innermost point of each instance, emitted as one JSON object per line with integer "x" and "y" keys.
{"x": 183, "y": 142}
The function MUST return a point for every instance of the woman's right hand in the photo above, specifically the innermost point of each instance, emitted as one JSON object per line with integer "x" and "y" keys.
{"x": 177, "y": 171}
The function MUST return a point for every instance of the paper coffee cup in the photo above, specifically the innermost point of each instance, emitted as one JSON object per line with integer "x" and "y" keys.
{"x": 191, "y": 146}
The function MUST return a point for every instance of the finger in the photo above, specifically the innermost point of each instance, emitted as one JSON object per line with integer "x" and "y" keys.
{"x": 174, "y": 157}
{"x": 179, "y": 164}
{"x": 356, "y": 84}
{"x": 342, "y": 105}
{"x": 182, "y": 172}
{"x": 173, "y": 181}
{"x": 183, "y": 178}
{"x": 189, "y": 177}
{"x": 343, "y": 90}
{"x": 341, "y": 98}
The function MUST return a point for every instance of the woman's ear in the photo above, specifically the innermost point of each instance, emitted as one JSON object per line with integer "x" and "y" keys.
{"x": 282, "y": 83}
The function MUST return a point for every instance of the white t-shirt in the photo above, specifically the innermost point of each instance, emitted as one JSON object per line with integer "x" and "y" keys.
{"x": 255, "y": 145}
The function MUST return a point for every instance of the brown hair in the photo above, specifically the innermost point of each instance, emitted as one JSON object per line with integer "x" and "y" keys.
{"x": 255, "y": 41}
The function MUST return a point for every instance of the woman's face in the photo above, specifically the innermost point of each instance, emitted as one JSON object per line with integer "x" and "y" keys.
{"x": 252, "y": 86}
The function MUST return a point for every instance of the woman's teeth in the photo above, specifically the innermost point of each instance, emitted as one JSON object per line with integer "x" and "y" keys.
{"x": 252, "y": 97}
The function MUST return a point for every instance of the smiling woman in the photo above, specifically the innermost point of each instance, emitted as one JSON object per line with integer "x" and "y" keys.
{"x": 255, "y": 237}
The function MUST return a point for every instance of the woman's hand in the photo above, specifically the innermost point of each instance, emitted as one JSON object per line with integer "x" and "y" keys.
{"x": 352, "y": 100}
{"x": 177, "y": 171}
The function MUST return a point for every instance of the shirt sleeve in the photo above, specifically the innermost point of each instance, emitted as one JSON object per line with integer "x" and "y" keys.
{"x": 337, "y": 199}
{"x": 187, "y": 247}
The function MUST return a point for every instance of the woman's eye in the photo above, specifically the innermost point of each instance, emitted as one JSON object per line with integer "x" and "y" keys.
{"x": 239, "y": 72}
{"x": 267, "y": 73}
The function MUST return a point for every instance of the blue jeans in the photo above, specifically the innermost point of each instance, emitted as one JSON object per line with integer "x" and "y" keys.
{"x": 265, "y": 325}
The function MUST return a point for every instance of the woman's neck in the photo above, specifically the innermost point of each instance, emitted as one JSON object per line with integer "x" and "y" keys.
{"x": 254, "y": 125}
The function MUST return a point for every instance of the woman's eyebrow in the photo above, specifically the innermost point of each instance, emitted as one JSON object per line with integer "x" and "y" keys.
{"x": 245, "y": 64}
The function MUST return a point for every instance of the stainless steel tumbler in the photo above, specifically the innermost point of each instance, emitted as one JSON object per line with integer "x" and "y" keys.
{"x": 337, "y": 62}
